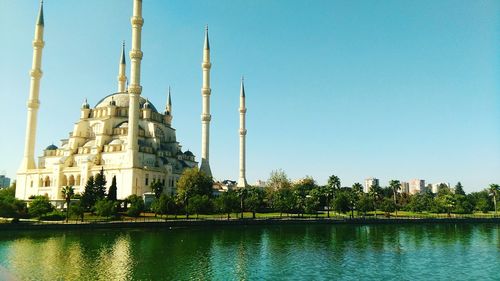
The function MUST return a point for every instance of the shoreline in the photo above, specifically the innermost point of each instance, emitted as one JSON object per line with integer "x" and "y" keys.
{"x": 233, "y": 222}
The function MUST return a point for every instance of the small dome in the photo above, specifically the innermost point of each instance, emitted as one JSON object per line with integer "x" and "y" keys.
{"x": 146, "y": 105}
{"x": 188, "y": 153}
{"x": 112, "y": 102}
{"x": 85, "y": 104}
{"x": 116, "y": 142}
{"x": 51, "y": 147}
{"x": 90, "y": 144}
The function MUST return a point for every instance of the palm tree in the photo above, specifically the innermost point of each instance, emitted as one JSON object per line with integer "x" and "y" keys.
{"x": 68, "y": 192}
{"x": 375, "y": 192}
{"x": 395, "y": 185}
{"x": 494, "y": 190}
{"x": 332, "y": 186}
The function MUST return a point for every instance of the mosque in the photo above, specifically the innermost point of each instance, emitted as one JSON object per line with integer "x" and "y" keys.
{"x": 123, "y": 134}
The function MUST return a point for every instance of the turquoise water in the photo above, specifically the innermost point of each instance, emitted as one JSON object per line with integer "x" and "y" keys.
{"x": 308, "y": 252}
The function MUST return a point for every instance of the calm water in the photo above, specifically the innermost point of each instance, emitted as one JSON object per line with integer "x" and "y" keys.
{"x": 339, "y": 252}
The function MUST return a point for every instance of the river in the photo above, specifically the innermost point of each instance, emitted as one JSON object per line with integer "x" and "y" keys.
{"x": 283, "y": 252}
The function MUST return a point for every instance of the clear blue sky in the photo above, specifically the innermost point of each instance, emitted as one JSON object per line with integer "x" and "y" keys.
{"x": 389, "y": 89}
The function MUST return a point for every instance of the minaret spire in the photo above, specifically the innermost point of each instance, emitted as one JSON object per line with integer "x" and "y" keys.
{"x": 33, "y": 101}
{"x": 134, "y": 88}
{"x": 205, "y": 115}
{"x": 168, "y": 109}
{"x": 122, "y": 78}
{"x": 242, "y": 181}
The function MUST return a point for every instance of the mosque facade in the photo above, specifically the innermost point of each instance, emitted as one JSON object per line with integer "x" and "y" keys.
{"x": 123, "y": 134}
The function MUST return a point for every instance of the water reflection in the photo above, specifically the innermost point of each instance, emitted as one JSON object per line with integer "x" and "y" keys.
{"x": 342, "y": 252}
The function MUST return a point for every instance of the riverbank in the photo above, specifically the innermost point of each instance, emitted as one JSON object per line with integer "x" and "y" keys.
{"x": 177, "y": 223}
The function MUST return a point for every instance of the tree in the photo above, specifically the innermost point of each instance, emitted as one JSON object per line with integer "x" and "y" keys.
{"x": 113, "y": 190}
{"x": 332, "y": 186}
{"x": 105, "y": 208}
{"x": 100, "y": 185}
{"x": 157, "y": 188}
{"x": 283, "y": 200}
{"x": 136, "y": 206}
{"x": 163, "y": 205}
{"x": 459, "y": 189}
{"x": 341, "y": 202}
{"x": 313, "y": 201}
{"x": 200, "y": 205}
{"x": 9, "y": 205}
{"x": 191, "y": 183}
{"x": 494, "y": 189}
{"x": 77, "y": 210}
{"x": 254, "y": 200}
{"x": 68, "y": 192}
{"x": 226, "y": 203}
{"x": 88, "y": 198}
{"x": 40, "y": 206}
{"x": 376, "y": 195}
{"x": 242, "y": 194}
{"x": 395, "y": 185}
{"x": 365, "y": 204}
{"x": 462, "y": 205}
{"x": 388, "y": 206}
{"x": 278, "y": 180}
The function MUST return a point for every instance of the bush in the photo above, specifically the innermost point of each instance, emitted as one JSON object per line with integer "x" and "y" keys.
{"x": 105, "y": 208}
{"x": 55, "y": 215}
{"x": 39, "y": 207}
{"x": 136, "y": 206}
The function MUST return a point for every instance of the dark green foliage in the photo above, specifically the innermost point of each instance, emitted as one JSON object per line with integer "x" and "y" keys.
{"x": 341, "y": 202}
{"x": 10, "y": 206}
{"x": 88, "y": 197}
{"x": 283, "y": 200}
{"x": 365, "y": 204}
{"x": 226, "y": 203}
{"x": 200, "y": 205}
{"x": 54, "y": 215}
{"x": 462, "y": 205}
{"x": 254, "y": 200}
{"x": 105, "y": 208}
{"x": 163, "y": 205}
{"x": 157, "y": 188}
{"x": 39, "y": 207}
{"x": 136, "y": 205}
{"x": 113, "y": 189}
{"x": 312, "y": 203}
{"x": 77, "y": 210}
{"x": 100, "y": 185}
{"x": 459, "y": 189}
{"x": 388, "y": 205}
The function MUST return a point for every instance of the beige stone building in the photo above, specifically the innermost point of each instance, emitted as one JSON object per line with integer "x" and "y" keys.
{"x": 123, "y": 133}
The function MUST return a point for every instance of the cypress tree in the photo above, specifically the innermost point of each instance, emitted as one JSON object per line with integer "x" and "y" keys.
{"x": 112, "y": 190}
{"x": 100, "y": 185}
{"x": 88, "y": 197}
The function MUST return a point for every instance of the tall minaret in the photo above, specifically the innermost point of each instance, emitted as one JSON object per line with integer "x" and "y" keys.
{"x": 33, "y": 102}
{"x": 242, "y": 180}
{"x": 205, "y": 115}
{"x": 122, "y": 78}
{"x": 134, "y": 87}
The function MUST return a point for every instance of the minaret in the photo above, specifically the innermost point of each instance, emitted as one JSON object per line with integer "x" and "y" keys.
{"x": 134, "y": 88}
{"x": 33, "y": 102}
{"x": 122, "y": 78}
{"x": 242, "y": 181}
{"x": 168, "y": 110}
{"x": 205, "y": 115}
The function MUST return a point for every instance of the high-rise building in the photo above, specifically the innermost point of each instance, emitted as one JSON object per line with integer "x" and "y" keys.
{"x": 369, "y": 182}
{"x": 416, "y": 186}
{"x": 405, "y": 187}
{"x": 4, "y": 181}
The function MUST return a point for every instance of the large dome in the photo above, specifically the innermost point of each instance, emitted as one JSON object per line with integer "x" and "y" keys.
{"x": 121, "y": 100}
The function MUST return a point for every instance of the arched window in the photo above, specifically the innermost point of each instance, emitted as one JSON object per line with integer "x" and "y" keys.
{"x": 47, "y": 181}
{"x": 64, "y": 180}
{"x": 71, "y": 180}
{"x": 78, "y": 180}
